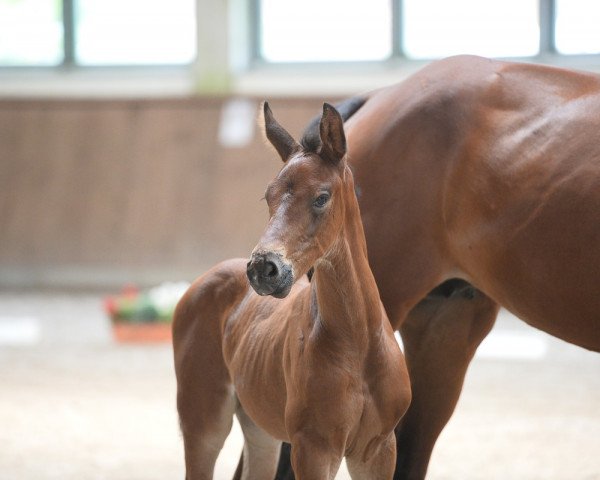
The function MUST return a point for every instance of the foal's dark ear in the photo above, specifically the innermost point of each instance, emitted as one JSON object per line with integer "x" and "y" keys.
{"x": 331, "y": 130}
{"x": 278, "y": 136}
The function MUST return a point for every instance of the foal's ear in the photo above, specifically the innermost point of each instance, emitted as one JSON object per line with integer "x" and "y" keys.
{"x": 331, "y": 130}
{"x": 278, "y": 136}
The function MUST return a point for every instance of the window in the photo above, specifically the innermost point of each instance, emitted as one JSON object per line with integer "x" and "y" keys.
{"x": 51, "y": 33}
{"x": 439, "y": 28}
{"x": 578, "y": 26}
{"x": 128, "y": 32}
{"x": 31, "y": 32}
{"x": 317, "y": 30}
{"x": 337, "y": 30}
{"x": 97, "y": 32}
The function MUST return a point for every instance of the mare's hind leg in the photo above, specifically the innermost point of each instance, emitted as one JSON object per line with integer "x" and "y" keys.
{"x": 261, "y": 451}
{"x": 440, "y": 337}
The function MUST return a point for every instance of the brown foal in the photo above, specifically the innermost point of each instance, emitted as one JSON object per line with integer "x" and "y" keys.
{"x": 313, "y": 363}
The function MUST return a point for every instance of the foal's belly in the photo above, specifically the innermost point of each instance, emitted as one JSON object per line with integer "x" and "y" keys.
{"x": 259, "y": 384}
{"x": 253, "y": 347}
{"x": 265, "y": 412}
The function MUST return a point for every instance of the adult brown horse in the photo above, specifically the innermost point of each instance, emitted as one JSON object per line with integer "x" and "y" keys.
{"x": 479, "y": 180}
{"x": 321, "y": 367}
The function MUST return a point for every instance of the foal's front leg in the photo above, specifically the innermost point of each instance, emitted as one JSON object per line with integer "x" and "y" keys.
{"x": 313, "y": 457}
{"x": 379, "y": 467}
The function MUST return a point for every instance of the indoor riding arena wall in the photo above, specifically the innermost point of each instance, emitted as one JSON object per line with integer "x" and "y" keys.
{"x": 95, "y": 193}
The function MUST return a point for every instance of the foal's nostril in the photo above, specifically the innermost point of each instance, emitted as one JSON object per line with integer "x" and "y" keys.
{"x": 269, "y": 274}
{"x": 270, "y": 269}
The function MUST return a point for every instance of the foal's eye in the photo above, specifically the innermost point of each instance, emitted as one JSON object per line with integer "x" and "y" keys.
{"x": 321, "y": 200}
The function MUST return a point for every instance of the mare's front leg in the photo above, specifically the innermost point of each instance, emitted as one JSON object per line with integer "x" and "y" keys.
{"x": 440, "y": 337}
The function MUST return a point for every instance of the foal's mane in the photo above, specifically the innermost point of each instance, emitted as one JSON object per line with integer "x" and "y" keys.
{"x": 311, "y": 140}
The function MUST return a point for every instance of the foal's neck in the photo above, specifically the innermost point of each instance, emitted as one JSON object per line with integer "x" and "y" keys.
{"x": 344, "y": 286}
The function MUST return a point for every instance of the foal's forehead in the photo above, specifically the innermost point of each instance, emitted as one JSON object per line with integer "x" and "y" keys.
{"x": 306, "y": 169}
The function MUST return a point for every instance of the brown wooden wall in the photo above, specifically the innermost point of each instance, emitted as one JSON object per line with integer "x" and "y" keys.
{"x": 98, "y": 192}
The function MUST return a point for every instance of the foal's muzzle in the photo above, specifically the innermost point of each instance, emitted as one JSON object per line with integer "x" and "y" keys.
{"x": 269, "y": 274}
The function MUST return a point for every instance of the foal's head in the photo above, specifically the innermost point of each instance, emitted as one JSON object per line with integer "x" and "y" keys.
{"x": 306, "y": 205}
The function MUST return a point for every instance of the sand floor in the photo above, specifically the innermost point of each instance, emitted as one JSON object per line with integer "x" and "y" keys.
{"x": 74, "y": 405}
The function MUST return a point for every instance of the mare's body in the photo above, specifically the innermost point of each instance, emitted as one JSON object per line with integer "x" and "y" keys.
{"x": 487, "y": 172}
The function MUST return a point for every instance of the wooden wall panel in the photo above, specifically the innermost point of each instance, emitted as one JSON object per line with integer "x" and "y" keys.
{"x": 95, "y": 193}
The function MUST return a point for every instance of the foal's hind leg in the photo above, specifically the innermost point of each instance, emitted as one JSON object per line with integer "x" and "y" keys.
{"x": 205, "y": 397}
{"x": 204, "y": 435}
{"x": 261, "y": 451}
{"x": 440, "y": 337}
